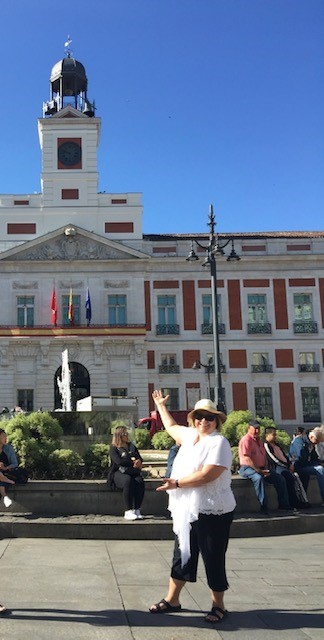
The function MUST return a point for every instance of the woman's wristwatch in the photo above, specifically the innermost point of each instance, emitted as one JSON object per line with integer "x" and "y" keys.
{"x": 177, "y": 484}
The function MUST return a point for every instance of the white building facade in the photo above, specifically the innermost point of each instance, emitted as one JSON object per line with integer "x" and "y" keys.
{"x": 151, "y": 310}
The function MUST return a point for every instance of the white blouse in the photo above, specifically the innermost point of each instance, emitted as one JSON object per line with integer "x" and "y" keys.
{"x": 215, "y": 497}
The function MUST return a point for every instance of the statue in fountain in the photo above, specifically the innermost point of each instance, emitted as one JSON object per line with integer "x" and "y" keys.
{"x": 64, "y": 384}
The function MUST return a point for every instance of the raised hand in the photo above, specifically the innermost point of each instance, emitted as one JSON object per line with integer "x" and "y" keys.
{"x": 159, "y": 399}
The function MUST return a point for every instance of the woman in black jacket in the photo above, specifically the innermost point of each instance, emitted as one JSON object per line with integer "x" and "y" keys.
{"x": 125, "y": 472}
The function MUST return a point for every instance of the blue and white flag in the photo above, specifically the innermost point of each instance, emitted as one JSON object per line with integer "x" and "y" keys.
{"x": 88, "y": 307}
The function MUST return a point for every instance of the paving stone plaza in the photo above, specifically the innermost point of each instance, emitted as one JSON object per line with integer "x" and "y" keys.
{"x": 101, "y": 590}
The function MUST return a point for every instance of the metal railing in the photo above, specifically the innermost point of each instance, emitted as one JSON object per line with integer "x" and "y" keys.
{"x": 259, "y": 327}
{"x": 207, "y": 329}
{"x": 167, "y": 329}
{"x": 306, "y": 326}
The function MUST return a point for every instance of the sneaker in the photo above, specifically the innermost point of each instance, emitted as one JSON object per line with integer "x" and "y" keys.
{"x": 130, "y": 515}
{"x": 138, "y": 514}
{"x": 6, "y": 501}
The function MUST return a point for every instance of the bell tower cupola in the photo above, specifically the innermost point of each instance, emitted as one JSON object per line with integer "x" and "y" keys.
{"x": 68, "y": 86}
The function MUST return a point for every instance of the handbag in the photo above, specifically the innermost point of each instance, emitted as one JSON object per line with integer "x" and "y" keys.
{"x": 299, "y": 489}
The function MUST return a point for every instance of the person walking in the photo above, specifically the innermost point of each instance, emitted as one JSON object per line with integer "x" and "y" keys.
{"x": 201, "y": 503}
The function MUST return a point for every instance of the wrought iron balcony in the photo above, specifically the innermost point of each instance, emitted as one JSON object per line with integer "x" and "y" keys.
{"x": 207, "y": 329}
{"x": 167, "y": 329}
{"x": 259, "y": 327}
{"x": 308, "y": 368}
{"x": 92, "y": 330}
{"x": 262, "y": 368}
{"x": 305, "y": 326}
{"x": 169, "y": 368}
{"x": 211, "y": 368}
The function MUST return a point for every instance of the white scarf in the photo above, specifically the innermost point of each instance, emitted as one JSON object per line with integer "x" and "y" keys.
{"x": 184, "y": 503}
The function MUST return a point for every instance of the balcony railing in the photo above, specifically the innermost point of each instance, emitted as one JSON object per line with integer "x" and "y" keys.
{"x": 167, "y": 329}
{"x": 262, "y": 368}
{"x": 259, "y": 327}
{"x": 306, "y": 326}
{"x": 169, "y": 368}
{"x": 212, "y": 368}
{"x": 308, "y": 368}
{"x": 207, "y": 329}
{"x": 44, "y": 330}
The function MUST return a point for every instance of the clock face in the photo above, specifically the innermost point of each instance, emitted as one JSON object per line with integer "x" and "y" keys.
{"x": 69, "y": 153}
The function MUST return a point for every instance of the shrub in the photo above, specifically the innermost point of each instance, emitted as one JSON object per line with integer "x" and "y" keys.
{"x": 34, "y": 438}
{"x": 142, "y": 439}
{"x": 65, "y": 463}
{"x": 234, "y": 419}
{"x": 162, "y": 440}
{"x": 96, "y": 459}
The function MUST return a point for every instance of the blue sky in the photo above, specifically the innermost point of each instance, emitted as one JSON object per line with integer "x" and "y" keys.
{"x": 201, "y": 101}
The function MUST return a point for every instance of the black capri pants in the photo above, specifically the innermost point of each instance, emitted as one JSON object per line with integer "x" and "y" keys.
{"x": 209, "y": 536}
{"x": 133, "y": 489}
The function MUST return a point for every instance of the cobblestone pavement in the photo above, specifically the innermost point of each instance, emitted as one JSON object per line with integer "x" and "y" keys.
{"x": 101, "y": 589}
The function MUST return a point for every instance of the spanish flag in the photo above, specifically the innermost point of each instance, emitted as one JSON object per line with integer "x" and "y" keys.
{"x": 71, "y": 311}
{"x": 54, "y": 307}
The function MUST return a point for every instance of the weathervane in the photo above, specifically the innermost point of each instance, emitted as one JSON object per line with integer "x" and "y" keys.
{"x": 67, "y": 47}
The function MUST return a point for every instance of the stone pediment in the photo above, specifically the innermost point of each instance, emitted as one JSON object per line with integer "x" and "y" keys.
{"x": 66, "y": 245}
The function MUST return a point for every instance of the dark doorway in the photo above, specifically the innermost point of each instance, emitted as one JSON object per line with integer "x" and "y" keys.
{"x": 80, "y": 384}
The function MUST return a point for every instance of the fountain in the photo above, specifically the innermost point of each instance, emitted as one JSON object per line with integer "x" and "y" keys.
{"x": 64, "y": 384}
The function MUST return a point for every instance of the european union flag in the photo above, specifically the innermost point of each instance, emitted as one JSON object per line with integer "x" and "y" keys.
{"x": 88, "y": 307}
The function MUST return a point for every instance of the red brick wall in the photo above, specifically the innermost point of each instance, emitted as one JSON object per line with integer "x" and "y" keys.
{"x": 240, "y": 400}
{"x": 189, "y": 305}
{"x": 284, "y": 358}
{"x": 234, "y": 304}
{"x": 237, "y": 358}
{"x": 280, "y": 303}
{"x": 287, "y": 400}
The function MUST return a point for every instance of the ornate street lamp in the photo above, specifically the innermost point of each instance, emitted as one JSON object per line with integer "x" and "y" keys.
{"x": 209, "y": 368}
{"x": 214, "y": 247}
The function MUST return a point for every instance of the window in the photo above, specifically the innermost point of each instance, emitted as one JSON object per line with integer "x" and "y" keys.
{"x": 306, "y": 362}
{"x": 118, "y": 392}
{"x": 168, "y": 359}
{"x": 311, "y": 404}
{"x": 257, "y": 310}
{"x": 167, "y": 316}
{"x": 169, "y": 363}
{"x": 25, "y": 399}
{"x": 25, "y": 311}
{"x": 303, "y": 308}
{"x": 166, "y": 310}
{"x": 76, "y": 302}
{"x": 173, "y": 401}
{"x": 306, "y": 358}
{"x": 263, "y": 402}
{"x": 117, "y": 310}
{"x": 207, "y": 310}
{"x": 260, "y": 363}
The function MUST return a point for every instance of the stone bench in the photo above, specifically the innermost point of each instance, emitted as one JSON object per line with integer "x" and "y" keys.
{"x": 84, "y": 497}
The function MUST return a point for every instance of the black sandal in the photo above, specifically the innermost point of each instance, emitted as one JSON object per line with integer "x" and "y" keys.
{"x": 217, "y": 613}
{"x": 164, "y": 607}
{"x": 4, "y": 611}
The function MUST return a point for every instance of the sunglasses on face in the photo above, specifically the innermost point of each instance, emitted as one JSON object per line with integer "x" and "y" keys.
{"x": 208, "y": 416}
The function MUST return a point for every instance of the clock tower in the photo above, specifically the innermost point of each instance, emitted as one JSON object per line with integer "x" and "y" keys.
{"x": 69, "y": 137}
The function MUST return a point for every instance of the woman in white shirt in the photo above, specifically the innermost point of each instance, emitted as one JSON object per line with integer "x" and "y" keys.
{"x": 201, "y": 503}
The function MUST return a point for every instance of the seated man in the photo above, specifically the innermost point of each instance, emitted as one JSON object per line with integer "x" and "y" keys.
{"x": 280, "y": 463}
{"x": 303, "y": 455}
{"x": 253, "y": 463}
